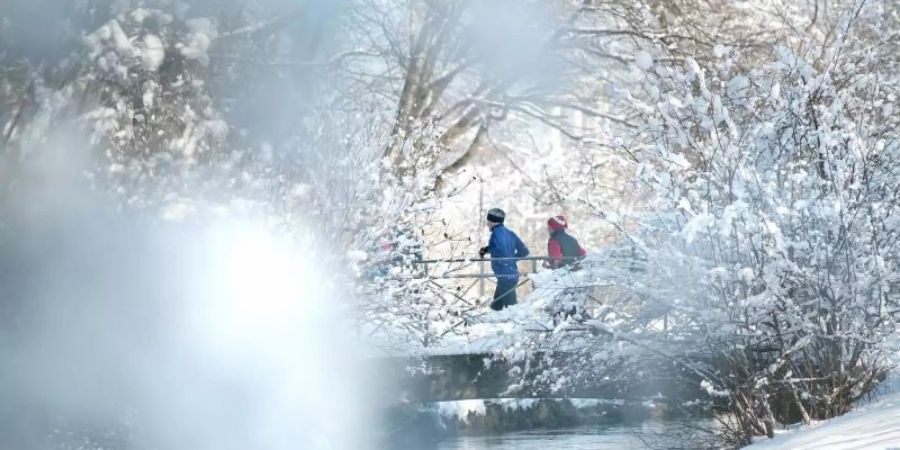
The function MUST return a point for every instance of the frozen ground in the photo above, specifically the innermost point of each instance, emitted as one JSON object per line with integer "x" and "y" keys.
{"x": 875, "y": 426}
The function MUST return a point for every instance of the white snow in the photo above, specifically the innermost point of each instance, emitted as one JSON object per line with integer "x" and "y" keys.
{"x": 712, "y": 391}
{"x": 580, "y": 403}
{"x": 737, "y": 85}
{"x": 643, "y": 60}
{"x": 301, "y": 190}
{"x": 120, "y": 39}
{"x": 148, "y": 96}
{"x": 505, "y": 331}
{"x": 871, "y": 427}
{"x": 461, "y": 409}
{"x": 357, "y": 255}
{"x": 140, "y": 14}
{"x": 721, "y": 50}
{"x": 177, "y": 211}
{"x": 153, "y": 53}
{"x": 203, "y": 32}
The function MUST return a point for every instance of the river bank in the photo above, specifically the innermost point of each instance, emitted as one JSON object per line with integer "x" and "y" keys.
{"x": 501, "y": 420}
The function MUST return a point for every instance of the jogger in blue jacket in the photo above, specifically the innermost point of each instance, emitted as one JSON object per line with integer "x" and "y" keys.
{"x": 503, "y": 244}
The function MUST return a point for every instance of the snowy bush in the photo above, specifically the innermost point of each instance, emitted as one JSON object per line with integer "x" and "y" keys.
{"x": 768, "y": 258}
{"x": 149, "y": 96}
{"x": 781, "y": 181}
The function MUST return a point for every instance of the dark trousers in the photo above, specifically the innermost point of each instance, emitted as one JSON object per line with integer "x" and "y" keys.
{"x": 505, "y": 294}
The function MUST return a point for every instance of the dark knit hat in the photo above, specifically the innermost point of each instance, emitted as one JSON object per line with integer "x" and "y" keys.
{"x": 496, "y": 215}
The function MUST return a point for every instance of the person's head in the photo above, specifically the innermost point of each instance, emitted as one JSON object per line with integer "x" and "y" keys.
{"x": 495, "y": 216}
{"x": 557, "y": 223}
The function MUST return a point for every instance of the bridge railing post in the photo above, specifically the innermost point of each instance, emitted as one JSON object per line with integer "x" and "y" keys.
{"x": 481, "y": 278}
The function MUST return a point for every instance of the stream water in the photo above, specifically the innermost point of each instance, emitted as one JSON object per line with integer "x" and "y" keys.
{"x": 626, "y": 436}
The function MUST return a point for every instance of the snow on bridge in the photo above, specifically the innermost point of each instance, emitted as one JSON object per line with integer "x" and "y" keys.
{"x": 542, "y": 310}
{"x": 543, "y": 320}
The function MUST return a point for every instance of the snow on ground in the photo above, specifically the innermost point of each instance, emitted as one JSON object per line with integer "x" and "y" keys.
{"x": 875, "y": 426}
{"x": 491, "y": 331}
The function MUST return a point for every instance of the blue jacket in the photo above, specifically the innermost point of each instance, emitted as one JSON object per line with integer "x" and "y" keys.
{"x": 505, "y": 244}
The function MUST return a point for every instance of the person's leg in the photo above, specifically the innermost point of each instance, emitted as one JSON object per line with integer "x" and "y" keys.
{"x": 510, "y": 298}
{"x": 497, "y": 302}
{"x": 505, "y": 294}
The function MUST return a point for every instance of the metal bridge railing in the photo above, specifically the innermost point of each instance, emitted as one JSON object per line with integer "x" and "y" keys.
{"x": 482, "y": 274}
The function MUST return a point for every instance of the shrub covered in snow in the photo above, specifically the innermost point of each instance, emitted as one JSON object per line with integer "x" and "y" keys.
{"x": 779, "y": 182}
{"x": 150, "y": 101}
{"x": 768, "y": 257}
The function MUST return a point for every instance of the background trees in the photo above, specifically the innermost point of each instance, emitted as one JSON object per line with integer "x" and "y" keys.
{"x": 776, "y": 177}
{"x": 739, "y": 158}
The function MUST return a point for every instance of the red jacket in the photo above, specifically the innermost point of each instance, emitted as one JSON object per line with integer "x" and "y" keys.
{"x": 562, "y": 245}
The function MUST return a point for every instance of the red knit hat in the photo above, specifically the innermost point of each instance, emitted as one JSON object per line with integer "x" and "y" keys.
{"x": 557, "y": 223}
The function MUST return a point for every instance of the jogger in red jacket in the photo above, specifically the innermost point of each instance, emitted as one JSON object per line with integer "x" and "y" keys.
{"x": 562, "y": 247}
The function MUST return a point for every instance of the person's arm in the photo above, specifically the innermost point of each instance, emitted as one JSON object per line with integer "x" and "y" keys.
{"x": 581, "y": 251}
{"x": 555, "y": 252}
{"x": 521, "y": 249}
{"x": 491, "y": 248}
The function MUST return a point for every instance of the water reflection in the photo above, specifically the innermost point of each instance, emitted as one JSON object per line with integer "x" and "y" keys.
{"x": 632, "y": 436}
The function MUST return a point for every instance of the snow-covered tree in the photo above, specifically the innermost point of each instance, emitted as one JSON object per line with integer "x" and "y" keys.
{"x": 771, "y": 248}
{"x": 765, "y": 241}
